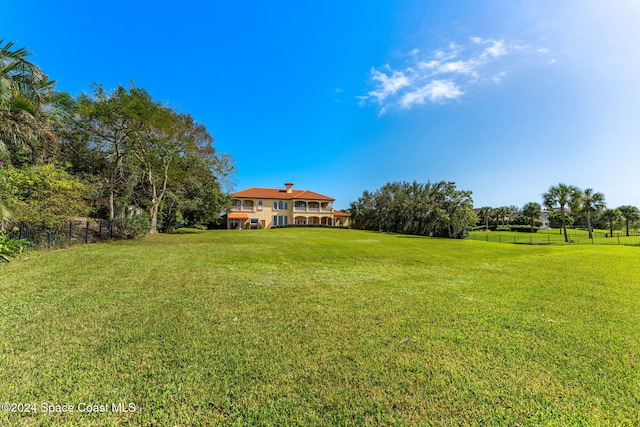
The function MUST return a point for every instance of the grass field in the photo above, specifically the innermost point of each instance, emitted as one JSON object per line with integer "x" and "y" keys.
{"x": 321, "y": 327}
{"x": 552, "y": 237}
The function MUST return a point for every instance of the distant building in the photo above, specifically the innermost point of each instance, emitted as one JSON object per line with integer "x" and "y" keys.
{"x": 269, "y": 207}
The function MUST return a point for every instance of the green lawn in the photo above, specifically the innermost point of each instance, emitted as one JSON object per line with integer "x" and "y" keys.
{"x": 322, "y": 327}
{"x": 544, "y": 237}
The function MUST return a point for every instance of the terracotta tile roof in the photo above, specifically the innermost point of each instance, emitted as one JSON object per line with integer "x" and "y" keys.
{"x": 238, "y": 215}
{"x": 279, "y": 193}
{"x": 340, "y": 213}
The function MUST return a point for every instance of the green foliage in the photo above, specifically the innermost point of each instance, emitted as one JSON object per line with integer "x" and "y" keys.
{"x": 562, "y": 195}
{"x": 131, "y": 225}
{"x": 611, "y": 216}
{"x": 437, "y": 210}
{"x": 630, "y": 215}
{"x": 141, "y": 153}
{"x": 486, "y": 213}
{"x": 589, "y": 202}
{"x": 531, "y": 211}
{"x": 28, "y": 103}
{"x": 10, "y": 247}
{"x": 44, "y": 194}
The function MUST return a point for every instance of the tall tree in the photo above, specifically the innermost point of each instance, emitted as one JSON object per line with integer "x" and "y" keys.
{"x": 27, "y": 96}
{"x": 561, "y": 195}
{"x": 486, "y": 212}
{"x": 171, "y": 141}
{"x": 589, "y": 202}
{"x": 611, "y": 215}
{"x": 111, "y": 124}
{"x": 630, "y": 214}
{"x": 531, "y": 211}
{"x": 503, "y": 213}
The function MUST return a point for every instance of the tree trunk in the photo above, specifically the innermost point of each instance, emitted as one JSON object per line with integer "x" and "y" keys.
{"x": 112, "y": 203}
{"x": 153, "y": 214}
{"x": 564, "y": 224}
{"x": 589, "y": 224}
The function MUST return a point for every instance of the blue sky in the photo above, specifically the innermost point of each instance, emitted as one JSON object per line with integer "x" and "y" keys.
{"x": 504, "y": 98}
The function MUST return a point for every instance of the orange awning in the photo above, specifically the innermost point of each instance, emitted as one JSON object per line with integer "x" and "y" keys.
{"x": 237, "y": 215}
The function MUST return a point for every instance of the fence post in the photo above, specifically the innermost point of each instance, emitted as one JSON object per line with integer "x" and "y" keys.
{"x": 618, "y": 238}
{"x": 549, "y": 238}
{"x": 86, "y": 234}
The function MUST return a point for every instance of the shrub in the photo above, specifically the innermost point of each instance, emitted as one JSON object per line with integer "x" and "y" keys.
{"x": 11, "y": 247}
{"x": 44, "y": 194}
{"x": 131, "y": 225}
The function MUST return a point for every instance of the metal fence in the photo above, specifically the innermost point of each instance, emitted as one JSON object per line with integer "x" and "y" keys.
{"x": 557, "y": 238}
{"x": 66, "y": 234}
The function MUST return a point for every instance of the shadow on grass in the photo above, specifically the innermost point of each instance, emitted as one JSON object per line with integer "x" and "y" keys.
{"x": 187, "y": 231}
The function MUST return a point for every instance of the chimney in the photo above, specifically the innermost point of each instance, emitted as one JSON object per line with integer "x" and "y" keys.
{"x": 288, "y": 186}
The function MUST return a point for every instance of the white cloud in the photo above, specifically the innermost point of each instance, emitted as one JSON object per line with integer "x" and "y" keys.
{"x": 388, "y": 85}
{"x": 498, "y": 77}
{"x": 435, "y": 91}
{"x": 463, "y": 67}
{"x": 430, "y": 64}
{"x": 498, "y": 49}
{"x": 443, "y": 75}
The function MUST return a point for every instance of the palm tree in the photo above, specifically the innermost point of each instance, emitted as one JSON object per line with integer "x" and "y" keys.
{"x": 590, "y": 202}
{"x": 629, "y": 213}
{"x": 561, "y": 195}
{"x": 486, "y": 212}
{"x": 25, "y": 93}
{"x": 611, "y": 215}
{"x": 503, "y": 213}
{"x": 532, "y": 211}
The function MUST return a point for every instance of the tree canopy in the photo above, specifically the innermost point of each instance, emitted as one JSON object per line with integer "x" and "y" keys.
{"x": 115, "y": 149}
{"x": 438, "y": 209}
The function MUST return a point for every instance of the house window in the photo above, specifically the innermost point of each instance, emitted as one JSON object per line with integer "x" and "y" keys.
{"x": 236, "y": 203}
{"x": 280, "y": 204}
{"x": 280, "y": 220}
{"x": 259, "y": 205}
{"x": 233, "y": 223}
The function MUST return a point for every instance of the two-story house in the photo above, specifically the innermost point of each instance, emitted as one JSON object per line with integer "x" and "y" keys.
{"x": 269, "y": 207}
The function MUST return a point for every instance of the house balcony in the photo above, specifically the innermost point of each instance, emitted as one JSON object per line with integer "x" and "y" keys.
{"x": 314, "y": 210}
{"x": 243, "y": 209}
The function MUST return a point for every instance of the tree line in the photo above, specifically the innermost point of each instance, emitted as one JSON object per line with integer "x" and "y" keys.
{"x": 567, "y": 205}
{"x": 425, "y": 209}
{"x": 117, "y": 155}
